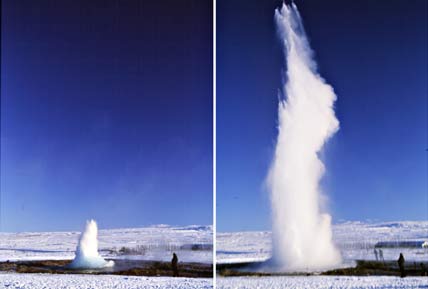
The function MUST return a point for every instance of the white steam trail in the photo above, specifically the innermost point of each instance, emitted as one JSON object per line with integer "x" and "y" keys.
{"x": 87, "y": 249}
{"x": 302, "y": 235}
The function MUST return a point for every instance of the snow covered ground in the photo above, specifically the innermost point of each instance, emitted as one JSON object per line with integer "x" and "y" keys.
{"x": 191, "y": 243}
{"x": 62, "y": 281}
{"x": 356, "y": 240}
{"x": 322, "y": 282}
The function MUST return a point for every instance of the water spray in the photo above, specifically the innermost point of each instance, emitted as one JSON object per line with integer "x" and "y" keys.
{"x": 87, "y": 256}
{"x": 302, "y": 234}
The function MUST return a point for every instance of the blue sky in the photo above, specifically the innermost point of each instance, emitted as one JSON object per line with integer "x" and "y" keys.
{"x": 106, "y": 113}
{"x": 374, "y": 54}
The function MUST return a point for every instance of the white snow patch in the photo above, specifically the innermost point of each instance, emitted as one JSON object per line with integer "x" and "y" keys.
{"x": 77, "y": 281}
{"x": 322, "y": 282}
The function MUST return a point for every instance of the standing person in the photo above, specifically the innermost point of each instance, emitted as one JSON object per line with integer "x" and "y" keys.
{"x": 381, "y": 255}
{"x": 400, "y": 262}
{"x": 423, "y": 269}
{"x": 174, "y": 264}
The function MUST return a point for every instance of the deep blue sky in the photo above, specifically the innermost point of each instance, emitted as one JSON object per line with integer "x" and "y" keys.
{"x": 106, "y": 113}
{"x": 374, "y": 54}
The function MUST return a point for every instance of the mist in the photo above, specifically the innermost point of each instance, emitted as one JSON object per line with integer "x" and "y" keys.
{"x": 302, "y": 234}
{"x": 87, "y": 255}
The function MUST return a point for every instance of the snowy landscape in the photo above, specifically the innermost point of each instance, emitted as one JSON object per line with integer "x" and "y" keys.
{"x": 355, "y": 240}
{"x": 191, "y": 243}
{"x": 322, "y": 282}
{"x": 155, "y": 243}
{"x": 31, "y": 281}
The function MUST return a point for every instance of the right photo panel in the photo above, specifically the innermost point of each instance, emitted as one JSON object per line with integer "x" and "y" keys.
{"x": 321, "y": 144}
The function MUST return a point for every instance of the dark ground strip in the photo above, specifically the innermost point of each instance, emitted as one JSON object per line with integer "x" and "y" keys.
{"x": 363, "y": 268}
{"x": 121, "y": 267}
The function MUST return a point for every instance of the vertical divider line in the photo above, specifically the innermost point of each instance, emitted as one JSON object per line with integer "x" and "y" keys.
{"x": 214, "y": 150}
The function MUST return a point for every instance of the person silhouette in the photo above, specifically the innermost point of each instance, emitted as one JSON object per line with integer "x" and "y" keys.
{"x": 381, "y": 255}
{"x": 400, "y": 262}
{"x": 423, "y": 269}
{"x": 174, "y": 265}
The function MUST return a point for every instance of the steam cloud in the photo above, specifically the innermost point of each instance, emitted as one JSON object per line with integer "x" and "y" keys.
{"x": 302, "y": 235}
{"x": 87, "y": 250}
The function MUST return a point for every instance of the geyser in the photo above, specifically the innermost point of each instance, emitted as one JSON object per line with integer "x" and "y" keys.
{"x": 87, "y": 256}
{"x": 302, "y": 235}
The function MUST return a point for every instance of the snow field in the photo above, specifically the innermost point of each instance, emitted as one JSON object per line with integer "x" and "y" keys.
{"x": 322, "y": 282}
{"x": 75, "y": 281}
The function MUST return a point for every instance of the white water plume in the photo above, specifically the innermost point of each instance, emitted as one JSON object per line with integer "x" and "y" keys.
{"x": 302, "y": 235}
{"x": 87, "y": 255}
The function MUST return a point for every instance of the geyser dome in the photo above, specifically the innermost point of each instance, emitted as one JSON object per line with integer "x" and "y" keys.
{"x": 87, "y": 256}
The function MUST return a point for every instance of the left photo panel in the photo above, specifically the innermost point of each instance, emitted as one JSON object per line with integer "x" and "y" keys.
{"x": 106, "y": 144}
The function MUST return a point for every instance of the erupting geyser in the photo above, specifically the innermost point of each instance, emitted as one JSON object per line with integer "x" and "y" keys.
{"x": 87, "y": 256}
{"x": 302, "y": 235}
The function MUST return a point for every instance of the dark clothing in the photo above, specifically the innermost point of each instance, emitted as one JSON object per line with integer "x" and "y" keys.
{"x": 174, "y": 265}
{"x": 381, "y": 255}
{"x": 423, "y": 270}
{"x": 400, "y": 262}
